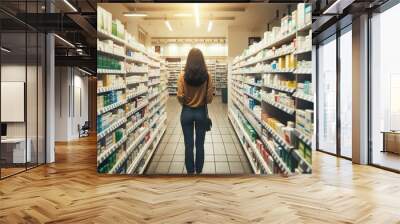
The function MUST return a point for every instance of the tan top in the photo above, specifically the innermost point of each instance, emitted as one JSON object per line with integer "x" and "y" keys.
{"x": 193, "y": 96}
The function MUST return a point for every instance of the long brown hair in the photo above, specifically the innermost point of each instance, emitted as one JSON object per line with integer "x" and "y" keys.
{"x": 196, "y": 69}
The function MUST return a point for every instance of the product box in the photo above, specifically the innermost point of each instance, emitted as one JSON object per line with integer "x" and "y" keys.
{"x": 307, "y": 14}
{"x": 293, "y": 24}
{"x": 100, "y": 19}
{"x": 300, "y": 15}
{"x": 284, "y": 25}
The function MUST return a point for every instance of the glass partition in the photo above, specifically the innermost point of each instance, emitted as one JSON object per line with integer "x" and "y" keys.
{"x": 346, "y": 93}
{"x": 327, "y": 96}
{"x": 22, "y": 77}
{"x": 385, "y": 89}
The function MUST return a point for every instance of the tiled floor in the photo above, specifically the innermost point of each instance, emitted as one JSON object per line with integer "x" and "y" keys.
{"x": 223, "y": 152}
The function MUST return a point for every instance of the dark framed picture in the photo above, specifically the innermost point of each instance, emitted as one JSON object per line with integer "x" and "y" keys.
{"x": 253, "y": 40}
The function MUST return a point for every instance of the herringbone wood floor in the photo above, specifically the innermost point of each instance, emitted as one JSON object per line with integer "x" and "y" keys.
{"x": 70, "y": 191}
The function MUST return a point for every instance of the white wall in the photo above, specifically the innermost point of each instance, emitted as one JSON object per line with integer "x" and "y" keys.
{"x": 238, "y": 39}
{"x": 71, "y": 87}
{"x": 33, "y": 127}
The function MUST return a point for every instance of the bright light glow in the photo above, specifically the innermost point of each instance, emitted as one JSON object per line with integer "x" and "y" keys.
{"x": 183, "y": 15}
{"x": 197, "y": 14}
{"x": 5, "y": 50}
{"x": 134, "y": 14}
{"x": 70, "y": 5}
{"x": 86, "y": 72}
{"x": 65, "y": 41}
{"x": 210, "y": 25}
{"x": 168, "y": 25}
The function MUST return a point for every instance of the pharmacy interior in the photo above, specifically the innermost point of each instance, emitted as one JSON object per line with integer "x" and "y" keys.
{"x": 260, "y": 58}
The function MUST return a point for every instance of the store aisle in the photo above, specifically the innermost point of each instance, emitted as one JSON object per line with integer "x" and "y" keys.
{"x": 223, "y": 152}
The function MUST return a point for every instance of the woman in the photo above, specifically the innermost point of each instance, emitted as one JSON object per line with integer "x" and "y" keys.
{"x": 195, "y": 90}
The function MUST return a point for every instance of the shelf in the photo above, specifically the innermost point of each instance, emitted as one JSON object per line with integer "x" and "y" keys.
{"x": 280, "y": 88}
{"x": 103, "y": 35}
{"x": 249, "y": 117}
{"x": 303, "y": 71}
{"x": 299, "y": 52}
{"x": 278, "y": 42}
{"x": 135, "y": 48}
{"x": 253, "y": 84}
{"x": 154, "y": 66}
{"x": 136, "y": 59}
{"x": 106, "y": 153}
{"x": 252, "y": 146}
{"x": 253, "y": 166}
{"x": 303, "y": 137}
{"x": 252, "y": 96}
{"x": 111, "y": 54}
{"x": 154, "y": 112}
{"x": 154, "y": 104}
{"x": 154, "y": 76}
{"x": 109, "y": 71}
{"x": 281, "y": 107}
{"x": 254, "y": 115}
{"x": 152, "y": 84}
{"x": 132, "y": 112}
{"x": 302, "y": 161}
{"x": 304, "y": 28}
{"x": 271, "y": 148}
{"x": 277, "y": 137}
{"x": 277, "y": 71}
{"x": 136, "y": 125}
{"x": 109, "y": 89}
{"x": 306, "y": 97}
{"x": 265, "y": 59}
{"x": 142, "y": 71}
{"x": 141, "y": 171}
{"x": 111, "y": 128}
{"x": 137, "y": 82}
{"x": 154, "y": 95}
{"x": 139, "y": 156}
{"x": 129, "y": 150}
{"x": 131, "y": 96}
{"x": 110, "y": 107}
{"x": 285, "y": 39}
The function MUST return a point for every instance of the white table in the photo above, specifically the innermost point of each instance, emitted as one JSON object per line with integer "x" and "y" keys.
{"x": 18, "y": 149}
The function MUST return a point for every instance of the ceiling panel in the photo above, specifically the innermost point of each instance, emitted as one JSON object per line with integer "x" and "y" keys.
{"x": 251, "y": 16}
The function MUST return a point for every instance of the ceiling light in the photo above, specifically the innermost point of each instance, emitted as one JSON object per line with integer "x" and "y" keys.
{"x": 70, "y": 5}
{"x": 183, "y": 15}
{"x": 337, "y": 7}
{"x": 64, "y": 40}
{"x": 197, "y": 14}
{"x": 168, "y": 25}
{"x": 210, "y": 25}
{"x": 5, "y": 49}
{"x": 86, "y": 72}
{"x": 134, "y": 14}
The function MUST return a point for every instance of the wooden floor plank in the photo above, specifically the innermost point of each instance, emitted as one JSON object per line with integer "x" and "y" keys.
{"x": 70, "y": 191}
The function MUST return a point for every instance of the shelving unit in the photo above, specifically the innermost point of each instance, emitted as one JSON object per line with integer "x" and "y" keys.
{"x": 221, "y": 77}
{"x": 217, "y": 68}
{"x": 279, "y": 69}
{"x": 174, "y": 69}
{"x": 133, "y": 81}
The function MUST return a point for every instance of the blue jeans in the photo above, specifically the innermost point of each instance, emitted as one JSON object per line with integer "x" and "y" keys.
{"x": 194, "y": 118}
